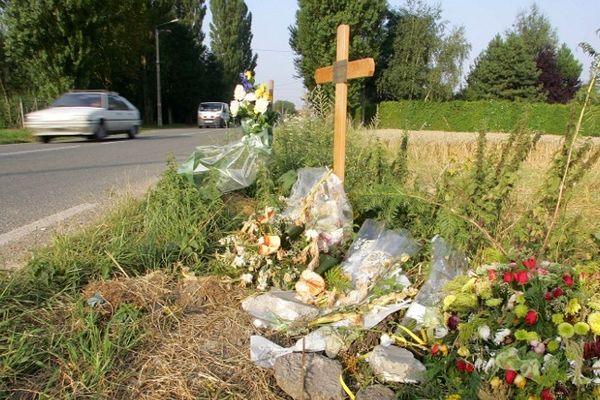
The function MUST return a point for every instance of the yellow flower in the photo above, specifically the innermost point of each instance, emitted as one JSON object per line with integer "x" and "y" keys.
{"x": 248, "y": 74}
{"x": 573, "y": 307}
{"x": 448, "y": 300}
{"x": 594, "y": 322}
{"x": 453, "y": 397}
{"x": 463, "y": 351}
{"x": 261, "y": 90}
{"x": 520, "y": 381}
{"x": 495, "y": 382}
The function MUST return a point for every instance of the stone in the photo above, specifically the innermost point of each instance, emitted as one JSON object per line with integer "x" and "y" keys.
{"x": 395, "y": 364}
{"x": 279, "y": 307}
{"x": 376, "y": 392}
{"x": 321, "y": 377}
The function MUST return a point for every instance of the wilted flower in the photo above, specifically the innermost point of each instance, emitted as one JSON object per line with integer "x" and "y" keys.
{"x": 311, "y": 234}
{"x": 484, "y": 332}
{"x": 247, "y": 278}
{"x": 501, "y": 334}
{"x": 239, "y": 261}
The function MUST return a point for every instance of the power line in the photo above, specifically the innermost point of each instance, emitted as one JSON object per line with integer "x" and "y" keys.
{"x": 274, "y": 51}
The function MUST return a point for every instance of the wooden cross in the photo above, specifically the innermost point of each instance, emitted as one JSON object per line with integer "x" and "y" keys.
{"x": 339, "y": 73}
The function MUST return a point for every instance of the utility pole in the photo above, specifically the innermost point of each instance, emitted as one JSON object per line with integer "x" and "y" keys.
{"x": 158, "y": 93}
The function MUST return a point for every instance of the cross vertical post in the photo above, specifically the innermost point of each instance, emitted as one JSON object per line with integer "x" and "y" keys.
{"x": 339, "y": 73}
{"x": 341, "y": 101}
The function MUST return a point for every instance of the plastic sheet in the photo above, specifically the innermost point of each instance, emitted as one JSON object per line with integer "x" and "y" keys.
{"x": 236, "y": 163}
{"x": 377, "y": 252}
{"x": 318, "y": 202}
{"x": 447, "y": 264}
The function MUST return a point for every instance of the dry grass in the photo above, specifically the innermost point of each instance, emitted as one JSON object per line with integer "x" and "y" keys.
{"x": 430, "y": 152}
{"x": 203, "y": 353}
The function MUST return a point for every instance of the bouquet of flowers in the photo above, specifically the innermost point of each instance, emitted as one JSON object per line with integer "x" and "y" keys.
{"x": 252, "y": 104}
{"x": 523, "y": 331}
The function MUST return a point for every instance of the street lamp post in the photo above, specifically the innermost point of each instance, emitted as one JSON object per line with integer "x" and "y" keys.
{"x": 158, "y": 94}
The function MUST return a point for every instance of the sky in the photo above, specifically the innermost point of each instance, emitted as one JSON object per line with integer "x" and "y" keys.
{"x": 575, "y": 21}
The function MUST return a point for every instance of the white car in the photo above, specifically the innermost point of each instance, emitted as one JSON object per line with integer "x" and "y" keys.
{"x": 213, "y": 114}
{"x": 94, "y": 114}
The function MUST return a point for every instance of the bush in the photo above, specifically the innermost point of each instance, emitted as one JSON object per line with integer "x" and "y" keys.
{"x": 487, "y": 116}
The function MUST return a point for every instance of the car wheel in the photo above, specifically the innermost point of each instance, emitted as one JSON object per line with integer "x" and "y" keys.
{"x": 45, "y": 139}
{"x": 132, "y": 133}
{"x": 100, "y": 131}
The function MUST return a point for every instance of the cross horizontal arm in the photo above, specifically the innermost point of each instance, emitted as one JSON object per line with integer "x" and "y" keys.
{"x": 356, "y": 69}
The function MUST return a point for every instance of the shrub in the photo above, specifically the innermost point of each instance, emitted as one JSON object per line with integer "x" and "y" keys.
{"x": 487, "y": 116}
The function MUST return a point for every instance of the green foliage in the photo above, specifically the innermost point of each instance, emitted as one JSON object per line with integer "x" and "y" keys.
{"x": 488, "y": 116}
{"x": 337, "y": 280}
{"x": 52, "y": 46}
{"x": 284, "y": 107}
{"x": 8, "y": 136}
{"x": 231, "y": 39}
{"x": 313, "y": 37}
{"x": 505, "y": 70}
{"x": 419, "y": 60}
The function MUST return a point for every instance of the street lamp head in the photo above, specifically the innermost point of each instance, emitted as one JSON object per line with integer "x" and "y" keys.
{"x": 166, "y": 23}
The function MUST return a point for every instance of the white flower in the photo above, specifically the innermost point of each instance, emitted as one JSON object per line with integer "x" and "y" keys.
{"x": 484, "y": 332}
{"x": 234, "y": 107}
{"x": 261, "y": 105}
{"x": 239, "y": 93}
{"x": 440, "y": 332}
{"x": 311, "y": 234}
{"x": 247, "y": 278}
{"x": 501, "y": 334}
{"x": 239, "y": 261}
{"x": 386, "y": 340}
{"x": 250, "y": 97}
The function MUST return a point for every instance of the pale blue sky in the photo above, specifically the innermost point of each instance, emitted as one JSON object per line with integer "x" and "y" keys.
{"x": 575, "y": 20}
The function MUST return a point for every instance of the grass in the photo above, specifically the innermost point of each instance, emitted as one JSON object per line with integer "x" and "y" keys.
{"x": 9, "y": 136}
{"x": 161, "y": 331}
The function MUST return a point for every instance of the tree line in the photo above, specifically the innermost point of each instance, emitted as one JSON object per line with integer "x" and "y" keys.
{"x": 50, "y": 46}
{"x": 420, "y": 57}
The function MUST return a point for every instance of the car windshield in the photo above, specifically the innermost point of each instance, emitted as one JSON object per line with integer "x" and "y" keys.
{"x": 78, "y": 100}
{"x": 210, "y": 107}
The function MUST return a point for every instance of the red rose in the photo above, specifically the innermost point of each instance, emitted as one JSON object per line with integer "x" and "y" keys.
{"x": 435, "y": 349}
{"x": 469, "y": 368}
{"x": 521, "y": 277}
{"x": 531, "y": 317}
{"x": 509, "y": 376}
{"x": 568, "y": 280}
{"x": 461, "y": 365}
{"x": 492, "y": 275}
{"x": 548, "y": 296}
{"x": 530, "y": 263}
{"x": 546, "y": 395}
{"x": 557, "y": 292}
{"x": 508, "y": 277}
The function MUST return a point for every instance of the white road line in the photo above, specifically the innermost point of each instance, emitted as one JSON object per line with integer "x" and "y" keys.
{"x": 23, "y": 231}
{"x": 38, "y": 150}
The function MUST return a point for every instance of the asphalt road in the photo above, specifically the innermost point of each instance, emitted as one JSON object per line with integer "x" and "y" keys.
{"x": 42, "y": 184}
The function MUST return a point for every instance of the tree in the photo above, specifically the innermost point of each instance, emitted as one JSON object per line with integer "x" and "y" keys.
{"x": 559, "y": 70}
{"x": 419, "y": 61}
{"x": 192, "y": 13}
{"x": 62, "y": 44}
{"x": 535, "y": 30}
{"x": 504, "y": 70}
{"x": 231, "y": 39}
{"x": 284, "y": 107}
{"x": 313, "y": 37}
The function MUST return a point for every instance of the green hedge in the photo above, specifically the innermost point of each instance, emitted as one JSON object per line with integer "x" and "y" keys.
{"x": 489, "y": 116}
